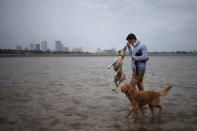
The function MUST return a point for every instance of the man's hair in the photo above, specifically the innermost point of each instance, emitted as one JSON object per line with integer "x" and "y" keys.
{"x": 131, "y": 36}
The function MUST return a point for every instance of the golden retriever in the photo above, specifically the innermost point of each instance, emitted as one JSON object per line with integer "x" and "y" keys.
{"x": 140, "y": 98}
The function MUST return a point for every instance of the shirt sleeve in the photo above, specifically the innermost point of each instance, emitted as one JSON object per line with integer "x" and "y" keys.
{"x": 130, "y": 50}
{"x": 144, "y": 55}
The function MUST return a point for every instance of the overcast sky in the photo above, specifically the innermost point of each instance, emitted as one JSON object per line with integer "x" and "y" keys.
{"x": 163, "y": 25}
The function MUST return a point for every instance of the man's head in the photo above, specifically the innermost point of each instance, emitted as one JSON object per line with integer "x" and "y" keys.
{"x": 131, "y": 38}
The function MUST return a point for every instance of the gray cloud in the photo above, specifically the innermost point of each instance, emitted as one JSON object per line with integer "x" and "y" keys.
{"x": 162, "y": 25}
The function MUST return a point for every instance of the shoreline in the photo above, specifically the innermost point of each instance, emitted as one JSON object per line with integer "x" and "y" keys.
{"x": 82, "y": 55}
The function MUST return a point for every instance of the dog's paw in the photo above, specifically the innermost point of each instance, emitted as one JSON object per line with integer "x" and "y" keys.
{"x": 109, "y": 67}
{"x": 114, "y": 90}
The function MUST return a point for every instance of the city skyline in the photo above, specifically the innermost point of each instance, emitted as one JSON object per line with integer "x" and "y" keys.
{"x": 58, "y": 46}
{"x": 162, "y": 25}
{"x": 32, "y": 46}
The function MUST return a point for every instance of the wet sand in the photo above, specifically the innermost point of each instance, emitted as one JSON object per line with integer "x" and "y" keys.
{"x": 74, "y": 93}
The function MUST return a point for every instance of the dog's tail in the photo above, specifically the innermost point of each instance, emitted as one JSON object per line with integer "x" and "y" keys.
{"x": 165, "y": 91}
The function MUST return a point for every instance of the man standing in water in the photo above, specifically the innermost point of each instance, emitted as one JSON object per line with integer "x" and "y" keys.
{"x": 139, "y": 56}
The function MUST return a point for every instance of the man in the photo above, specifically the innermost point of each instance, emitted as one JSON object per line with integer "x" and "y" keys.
{"x": 139, "y": 57}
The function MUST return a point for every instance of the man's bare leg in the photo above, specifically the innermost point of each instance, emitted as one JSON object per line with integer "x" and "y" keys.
{"x": 140, "y": 86}
{"x": 133, "y": 82}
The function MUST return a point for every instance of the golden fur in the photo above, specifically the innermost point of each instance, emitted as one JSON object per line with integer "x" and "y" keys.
{"x": 140, "y": 98}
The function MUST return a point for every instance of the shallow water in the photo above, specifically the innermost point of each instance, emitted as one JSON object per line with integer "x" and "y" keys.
{"x": 74, "y": 93}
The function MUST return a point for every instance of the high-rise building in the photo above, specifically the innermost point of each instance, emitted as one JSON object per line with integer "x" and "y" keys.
{"x": 32, "y": 46}
{"x": 44, "y": 46}
{"x": 18, "y": 47}
{"x": 58, "y": 46}
{"x": 38, "y": 46}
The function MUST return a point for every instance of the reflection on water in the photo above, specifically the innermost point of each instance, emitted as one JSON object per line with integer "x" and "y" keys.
{"x": 70, "y": 93}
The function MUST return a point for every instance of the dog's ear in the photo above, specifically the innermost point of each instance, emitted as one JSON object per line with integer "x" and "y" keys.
{"x": 123, "y": 88}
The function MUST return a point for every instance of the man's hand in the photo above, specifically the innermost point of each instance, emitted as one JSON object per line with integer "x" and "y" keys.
{"x": 128, "y": 44}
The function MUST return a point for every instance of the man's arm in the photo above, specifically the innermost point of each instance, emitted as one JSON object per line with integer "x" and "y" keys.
{"x": 144, "y": 55}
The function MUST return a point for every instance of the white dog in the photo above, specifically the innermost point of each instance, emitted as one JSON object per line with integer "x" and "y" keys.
{"x": 117, "y": 64}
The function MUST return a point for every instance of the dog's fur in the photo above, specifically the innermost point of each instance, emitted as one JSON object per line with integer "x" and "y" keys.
{"x": 117, "y": 65}
{"x": 140, "y": 98}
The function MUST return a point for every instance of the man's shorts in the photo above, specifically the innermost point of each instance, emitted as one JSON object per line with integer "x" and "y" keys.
{"x": 140, "y": 75}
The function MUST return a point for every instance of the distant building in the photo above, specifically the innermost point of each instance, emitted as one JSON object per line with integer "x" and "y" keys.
{"x": 114, "y": 49}
{"x": 18, "y": 47}
{"x": 58, "y": 46}
{"x": 109, "y": 52}
{"x": 77, "y": 49}
{"x": 66, "y": 49}
{"x": 37, "y": 46}
{"x": 44, "y": 46}
{"x": 32, "y": 46}
{"x": 99, "y": 51}
{"x": 194, "y": 51}
{"x": 26, "y": 48}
